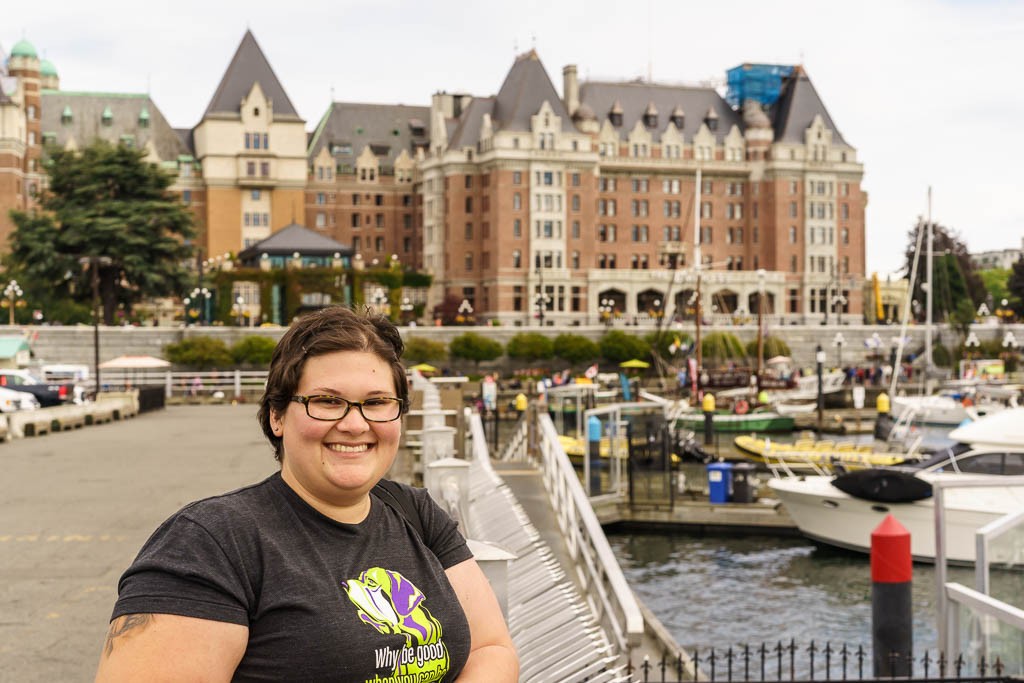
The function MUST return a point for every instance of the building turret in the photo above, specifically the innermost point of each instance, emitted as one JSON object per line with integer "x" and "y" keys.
{"x": 48, "y": 79}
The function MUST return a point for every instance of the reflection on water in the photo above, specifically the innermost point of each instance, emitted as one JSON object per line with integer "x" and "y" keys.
{"x": 721, "y": 591}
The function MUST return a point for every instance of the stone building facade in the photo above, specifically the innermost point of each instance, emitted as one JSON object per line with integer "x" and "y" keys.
{"x": 614, "y": 201}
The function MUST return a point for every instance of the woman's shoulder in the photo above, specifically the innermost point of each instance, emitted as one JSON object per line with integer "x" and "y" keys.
{"x": 245, "y": 503}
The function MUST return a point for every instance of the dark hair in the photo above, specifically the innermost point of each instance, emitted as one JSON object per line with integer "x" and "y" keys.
{"x": 335, "y": 328}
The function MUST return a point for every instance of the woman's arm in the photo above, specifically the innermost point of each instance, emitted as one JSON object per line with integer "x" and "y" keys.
{"x": 492, "y": 656}
{"x": 167, "y": 647}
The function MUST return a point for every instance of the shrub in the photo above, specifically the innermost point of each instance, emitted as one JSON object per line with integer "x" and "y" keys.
{"x": 530, "y": 346}
{"x": 422, "y": 350}
{"x": 253, "y": 350}
{"x": 475, "y": 347}
{"x": 722, "y": 346}
{"x": 773, "y": 346}
{"x": 617, "y": 346}
{"x": 575, "y": 349}
{"x": 201, "y": 353}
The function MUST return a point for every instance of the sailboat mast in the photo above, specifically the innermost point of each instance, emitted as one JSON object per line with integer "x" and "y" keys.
{"x": 929, "y": 251}
{"x": 696, "y": 266}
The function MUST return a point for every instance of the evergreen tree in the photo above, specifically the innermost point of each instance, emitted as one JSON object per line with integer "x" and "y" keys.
{"x": 1015, "y": 286}
{"x": 105, "y": 207}
{"x": 954, "y": 276}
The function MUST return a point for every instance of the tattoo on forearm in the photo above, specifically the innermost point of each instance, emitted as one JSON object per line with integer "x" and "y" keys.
{"x": 123, "y": 625}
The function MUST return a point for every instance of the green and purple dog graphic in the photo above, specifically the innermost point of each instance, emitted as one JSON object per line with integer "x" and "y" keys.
{"x": 393, "y": 605}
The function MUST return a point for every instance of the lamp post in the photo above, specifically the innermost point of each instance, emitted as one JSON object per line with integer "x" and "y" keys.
{"x": 378, "y": 298}
{"x": 406, "y": 308}
{"x": 972, "y": 342}
{"x": 93, "y": 263}
{"x": 542, "y": 303}
{"x": 838, "y": 342}
{"x": 466, "y": 311}
{"x": 239, "y": 300}
{"x": 606, "y": 309}
{"x": 838, "y": 301}
{"x": 819, "y": 362}
{"x": 201, "y": 298}
{"x": 12, "y": 292}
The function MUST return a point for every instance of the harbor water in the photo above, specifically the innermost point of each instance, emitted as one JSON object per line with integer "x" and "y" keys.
{"x": 726, "y": 590}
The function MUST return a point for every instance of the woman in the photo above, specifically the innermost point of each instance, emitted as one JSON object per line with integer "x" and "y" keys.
{"x": 308, "y": 575}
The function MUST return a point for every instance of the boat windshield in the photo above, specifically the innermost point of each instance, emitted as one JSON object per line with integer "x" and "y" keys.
{"x": 940, "y": 458}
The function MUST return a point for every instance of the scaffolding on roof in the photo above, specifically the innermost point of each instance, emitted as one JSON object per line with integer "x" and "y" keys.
{"x": 759, "y": 82}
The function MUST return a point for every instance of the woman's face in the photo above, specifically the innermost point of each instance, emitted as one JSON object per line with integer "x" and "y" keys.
{"x": 337, "y": 463}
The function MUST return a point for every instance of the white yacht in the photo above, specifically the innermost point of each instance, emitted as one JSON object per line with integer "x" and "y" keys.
{"x": 843, "y": 510}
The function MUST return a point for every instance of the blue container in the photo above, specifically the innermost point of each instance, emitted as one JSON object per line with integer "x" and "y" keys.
{"x": 719, "y": 481}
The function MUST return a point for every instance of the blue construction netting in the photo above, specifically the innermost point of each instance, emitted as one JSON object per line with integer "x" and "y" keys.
{"x": 760, "y": 82}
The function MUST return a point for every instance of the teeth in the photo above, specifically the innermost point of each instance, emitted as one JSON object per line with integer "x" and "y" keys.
{"x": 340, "y": 448}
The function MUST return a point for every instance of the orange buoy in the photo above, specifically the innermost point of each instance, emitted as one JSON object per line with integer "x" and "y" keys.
{"x": 741, "y": 407}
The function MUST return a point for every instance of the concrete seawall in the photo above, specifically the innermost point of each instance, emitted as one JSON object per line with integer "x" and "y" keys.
{"x": 74, "y": 344}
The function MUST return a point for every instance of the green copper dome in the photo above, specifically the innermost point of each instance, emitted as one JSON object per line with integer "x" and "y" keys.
{"x": 46, "y": 68}
{"x": 23, "y": 48}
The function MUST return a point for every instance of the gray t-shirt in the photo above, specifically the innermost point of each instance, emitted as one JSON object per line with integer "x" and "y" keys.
{"x": 323, "y": 601}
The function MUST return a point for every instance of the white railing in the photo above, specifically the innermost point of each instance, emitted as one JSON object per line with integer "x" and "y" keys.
{"x": 608, "y": 593}
{"x": 230, "y": 383}
{"x": 951, "y": 596}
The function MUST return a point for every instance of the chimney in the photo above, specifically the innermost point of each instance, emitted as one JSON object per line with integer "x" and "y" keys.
{"x": 570, "y": 89}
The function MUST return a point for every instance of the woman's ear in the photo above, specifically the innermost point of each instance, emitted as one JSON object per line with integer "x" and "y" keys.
{"x": 276, "y": 423}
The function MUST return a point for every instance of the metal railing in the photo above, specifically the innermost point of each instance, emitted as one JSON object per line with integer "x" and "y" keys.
{"x": 188, "y": 384}
{"x": 608, "y": 593}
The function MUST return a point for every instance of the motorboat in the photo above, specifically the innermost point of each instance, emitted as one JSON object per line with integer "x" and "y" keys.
{"x": 822, "y": 457}
{"x": 949, "y": 407}
{"x": 842, "y": 510}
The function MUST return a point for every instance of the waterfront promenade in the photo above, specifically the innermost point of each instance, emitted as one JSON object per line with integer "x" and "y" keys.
{"x": 78, "y": 505}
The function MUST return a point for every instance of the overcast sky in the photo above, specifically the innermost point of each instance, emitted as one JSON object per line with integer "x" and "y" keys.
{"x": 928, "y": 92}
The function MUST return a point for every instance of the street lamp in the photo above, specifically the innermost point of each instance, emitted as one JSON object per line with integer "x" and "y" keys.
{"x": 406, "y": 308}
{"x": 12, "y": 292}
{"x": 239, "y": 300}
{"x": 94, "y": 263}
{"x": 542, "y": 302}
{"x": 972, "y": 342}
{"x": 1004, "y": 312}
{"x": 201, "y": 298}
{"x": 607, "y": 309}
{"x": 761, "y": 274}
{"x": 466, "y": 311}
{"x": 838, "y": 342}
{"x": 838, "y": 302}
{"x": 378, "y": 298}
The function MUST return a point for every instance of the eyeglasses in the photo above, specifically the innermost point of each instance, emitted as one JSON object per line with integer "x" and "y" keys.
{"x": 333, "y": 408}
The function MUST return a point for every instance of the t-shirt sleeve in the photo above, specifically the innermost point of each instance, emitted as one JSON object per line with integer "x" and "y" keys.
{"x": 442, "y": 533}
{"x": 184, "y": 570}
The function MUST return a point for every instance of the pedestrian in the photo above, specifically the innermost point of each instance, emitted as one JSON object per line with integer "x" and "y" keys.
{"x": 316, "y": 573}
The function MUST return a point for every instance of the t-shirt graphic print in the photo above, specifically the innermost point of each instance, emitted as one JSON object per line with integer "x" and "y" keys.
{"x": 393, "y": 605}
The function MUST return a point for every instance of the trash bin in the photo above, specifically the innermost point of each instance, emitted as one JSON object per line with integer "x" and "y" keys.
{"x": 743, "y": 488}
{"x": 719, "y": 481}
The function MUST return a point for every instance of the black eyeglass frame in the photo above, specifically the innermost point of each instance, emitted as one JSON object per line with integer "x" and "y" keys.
{"x": 304, "y": 400}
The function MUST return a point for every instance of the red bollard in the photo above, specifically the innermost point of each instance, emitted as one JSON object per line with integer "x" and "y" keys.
{"x": 892, "y": 573}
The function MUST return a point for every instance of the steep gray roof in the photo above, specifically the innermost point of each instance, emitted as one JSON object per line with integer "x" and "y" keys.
{"x": 348, "y": 127}
{"x": 636, "y": 97}
{"x": 526, "y": 87}
{"x": 796, "y": 108}
{"x": 248, "y": 66}
{"x": 466, "y": 132}
{"x": 128, "y": 111}
{"x": 292, "y": 238}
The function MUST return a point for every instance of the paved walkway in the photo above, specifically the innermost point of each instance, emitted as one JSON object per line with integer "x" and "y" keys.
{"x": 76, "y": 507}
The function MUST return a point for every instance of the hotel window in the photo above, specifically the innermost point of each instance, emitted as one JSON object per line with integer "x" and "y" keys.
{"x": 379, "y": 243}
{"x": 255, "y": 195}
{"x": 517, "y": 201}
{"x": 517, "y": 258}
{"x": 266, "y": 220}
{"x": 575, "y": 260}
{"x": 186, "y": 196}
{"x": 793, "y": 187}
{"x": 379, "y": 220}
{"x": 321, "y": 219}
{"x": 705, "y": 209}
{"x": 517, "y": 177}
{"x": 469, "y": 205}
{"x": 846, "y": 236}
{"x": 246, "y": 218}
{"x": 320, "y": 198}
{"x": 792, "y": 264}
{"x": 264, "y": 168}
{"x": 792, "y": 234}
{"x": 356, "y": 217}
{"x": 706, "y": 187}
{"x": 575, "y": 230}
{"x": 468, "y": 183}
{"x": 469, "y": 229}
{"x": 517, "y": 228}
{"x": 575, "y": 179}
{"x": 845, "y": 211}
{"x": 575, "y": 202}
{"x": 793, "y": 211}
{"x": 846, "y": 268}
{"x": 250, "y": 168}
{"x": 469, "y": 261}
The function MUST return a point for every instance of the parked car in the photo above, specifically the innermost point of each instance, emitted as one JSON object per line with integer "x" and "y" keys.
{"x": 47, "y": 394}
{"x": 11, "y": 400}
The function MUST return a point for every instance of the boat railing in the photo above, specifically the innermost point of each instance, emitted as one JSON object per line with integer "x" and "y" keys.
{"x": 989, "y": 626}
{"x": 784, "y": 464}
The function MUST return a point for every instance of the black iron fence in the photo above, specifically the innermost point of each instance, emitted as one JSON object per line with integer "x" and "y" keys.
{"x": 783, "y": 662}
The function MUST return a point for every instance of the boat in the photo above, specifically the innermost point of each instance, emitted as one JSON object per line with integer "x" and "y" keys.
{"x": 731, "y": 422}
{"x": 843, "y": 510}
{"x": 817, "y": 456}
{"x": 952, "y": 406}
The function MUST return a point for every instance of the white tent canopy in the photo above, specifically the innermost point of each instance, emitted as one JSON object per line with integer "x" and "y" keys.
{"x": 134, "y": 363}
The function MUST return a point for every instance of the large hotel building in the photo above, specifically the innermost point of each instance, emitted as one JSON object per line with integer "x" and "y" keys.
{"x": 527, "y": 206}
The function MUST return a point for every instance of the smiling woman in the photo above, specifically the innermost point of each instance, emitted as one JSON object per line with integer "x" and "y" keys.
{"x": 309, "y": 575}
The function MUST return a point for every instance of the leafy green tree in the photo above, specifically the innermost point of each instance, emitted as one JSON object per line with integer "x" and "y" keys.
{"x": 617, "y": 346}
{"x": 995, "y": 280}
{"x": 530, "y": 346}
{"x": 422, "y": 350}
{"x": 253, "y": 350}
{"x": 773, "y": 346}
{"x": 575, "y": 349}
{"x": 107, "y": 202}
{"x": 475, "y": 347}
{"x": 201, "y": 353}
{"x": 721, "y": 346}
{"x": 953, "y": 274}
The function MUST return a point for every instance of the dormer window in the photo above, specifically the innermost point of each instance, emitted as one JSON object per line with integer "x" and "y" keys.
{"x": 651, "y": 116}
{"x": 615, "y": 114}
{"x": 256, "y": 111}
{"x": 144, "y": 118}
{"x": 66, "y": 117}
{"x": 711, "y": 119}
{"x": 108, "y": 117}
{"x": 677, "y": 118}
